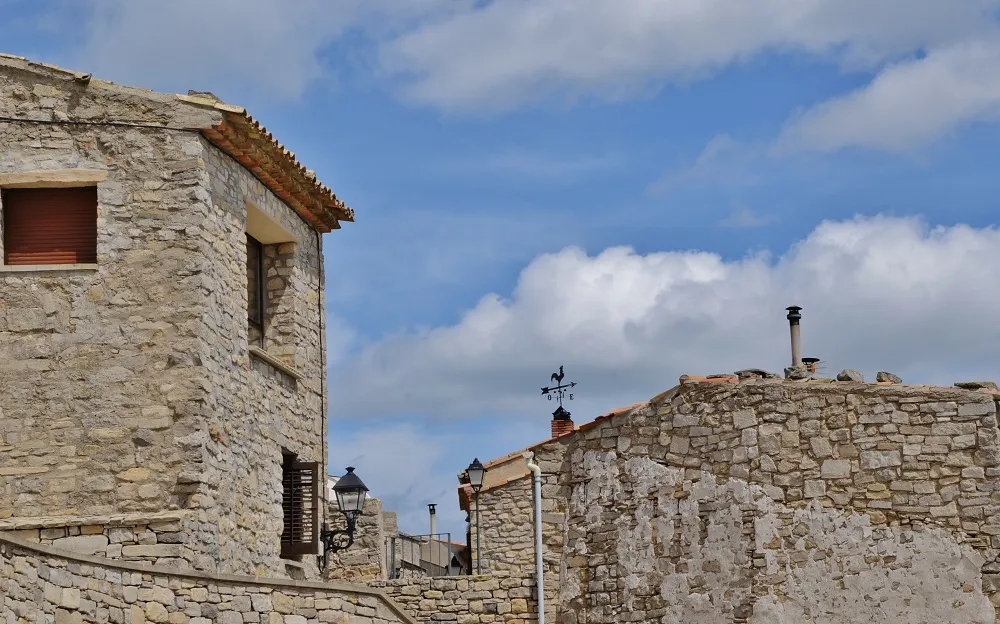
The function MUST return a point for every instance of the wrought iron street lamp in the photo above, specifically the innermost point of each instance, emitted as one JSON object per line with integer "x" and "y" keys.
{"x": 351, "y": 493}
{"x": 477, "y": 473}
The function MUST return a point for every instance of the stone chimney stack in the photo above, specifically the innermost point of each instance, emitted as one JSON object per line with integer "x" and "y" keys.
{"x": 432, "y": 508}
{"x": 794, "y": 317}
{"x": 561, "y": 422}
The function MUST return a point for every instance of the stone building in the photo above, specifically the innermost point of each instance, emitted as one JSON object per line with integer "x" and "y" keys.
{"x": 162, "y": 340}
{"x": 747, "y": 498}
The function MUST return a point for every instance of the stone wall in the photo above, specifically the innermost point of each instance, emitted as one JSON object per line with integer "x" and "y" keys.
{"x": 767, "y": 501}
{"x": 41, "y": 585}
{"x": 775, "y": 501}
{"x": 259, "y": 410}
{"x": 703, "y": 551}
{"x": 365, "y": 560}
{"x": 102, "y": 403}
{"x": 162, "y": 538}
{"x": 484, "y": 599}
{"x": 507, "y": 530}
{"x": 129, "y": 385}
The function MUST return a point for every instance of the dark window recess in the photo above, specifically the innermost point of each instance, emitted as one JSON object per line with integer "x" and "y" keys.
{"x": 256, "y": 300}
{"x": 300, "y": 503}
{"x": 50, "y": 225}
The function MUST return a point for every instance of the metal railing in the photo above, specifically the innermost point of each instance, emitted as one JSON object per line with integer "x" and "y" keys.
{"x": 432, "y": 554}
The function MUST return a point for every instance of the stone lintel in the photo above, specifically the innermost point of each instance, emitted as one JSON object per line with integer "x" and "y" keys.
{"x": 53, "y": 178}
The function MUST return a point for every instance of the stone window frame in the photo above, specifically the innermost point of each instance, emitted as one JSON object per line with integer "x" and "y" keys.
{"x": 50, "y": 178}
{"x": 275, "y": 240}
{"x": 260, "y": 304}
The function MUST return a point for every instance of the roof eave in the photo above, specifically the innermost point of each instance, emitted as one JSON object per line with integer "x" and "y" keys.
{"x": 244, "y": 139}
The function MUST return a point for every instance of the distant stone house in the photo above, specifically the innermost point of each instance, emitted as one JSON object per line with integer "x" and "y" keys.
{"x": 744, "y": 498}
{"x": 162, "y": 340}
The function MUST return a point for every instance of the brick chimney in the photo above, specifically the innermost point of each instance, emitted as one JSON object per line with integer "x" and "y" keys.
{"x": 561, "y": 422}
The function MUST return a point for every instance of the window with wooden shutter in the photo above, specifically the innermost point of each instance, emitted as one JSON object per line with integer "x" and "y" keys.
{"x": 49, "y": 225}
{"x": 300, "y": 503}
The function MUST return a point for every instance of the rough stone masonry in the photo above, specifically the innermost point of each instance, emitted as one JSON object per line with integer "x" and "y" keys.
{"x": 764, "y": 500}
{"x": 133, "y": 388}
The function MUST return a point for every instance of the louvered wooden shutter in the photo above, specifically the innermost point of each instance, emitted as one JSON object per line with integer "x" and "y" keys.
{"x": 50, "y": 225}
{"x": 300, "y": 503}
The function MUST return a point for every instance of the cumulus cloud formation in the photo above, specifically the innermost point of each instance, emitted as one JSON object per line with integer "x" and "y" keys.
{"x": 878, "y": 293}
{"x": 508, "y": 52}
{"x": 468, "y": 56}
{"x": 211, "y": 44}
{"x": 269, "y": 47}
{"x": 908, "y": 103}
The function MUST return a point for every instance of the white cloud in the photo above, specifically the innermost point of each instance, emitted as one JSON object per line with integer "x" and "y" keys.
{"x": 463, "y": 54}
{"x": 466, "y": 55}
{"x": 907, "y": 104}
{"x": 211, "y": 44}
{"x": 270, "y": 48}
{"x": 878, "y": 293}
{"x": 509, "y": 52}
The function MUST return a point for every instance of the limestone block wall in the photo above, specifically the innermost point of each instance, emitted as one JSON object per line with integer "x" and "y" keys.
{"x": 40, "y": 585}
{"x": 163, "y": 538}
{"x": 506, "y": 523}
{"x": 703, "y": 551}
{"x": 485, "y": 599}
{"x": 897, "y": 453}
{"x": 102, "y": 403}
{"x": 365, "y": 560}
{"x": 774, "y": 501}
{"x": 259, "y": 410}
{"x": 129, "y": 386}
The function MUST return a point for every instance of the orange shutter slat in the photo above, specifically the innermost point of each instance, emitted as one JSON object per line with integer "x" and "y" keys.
{"x": 50, "y": 226}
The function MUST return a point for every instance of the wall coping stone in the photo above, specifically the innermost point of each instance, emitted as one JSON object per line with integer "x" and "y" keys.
{"x": 114, "y": 520}
{"x": 346, "y": 588}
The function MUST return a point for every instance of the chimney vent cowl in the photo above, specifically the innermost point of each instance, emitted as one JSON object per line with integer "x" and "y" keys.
{"x": 794, "y": 316}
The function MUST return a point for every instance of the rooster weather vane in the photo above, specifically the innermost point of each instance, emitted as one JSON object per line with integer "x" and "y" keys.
{"x": 560, "y": 391}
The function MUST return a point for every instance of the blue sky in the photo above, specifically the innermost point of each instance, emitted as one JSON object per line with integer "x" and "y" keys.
{"x": 633, "y": 189}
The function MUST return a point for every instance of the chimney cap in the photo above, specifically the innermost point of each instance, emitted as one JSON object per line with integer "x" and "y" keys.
{"x": 793, "y": 313}
{"x": 561, "y": 414}
{"x": 432, "y": 507}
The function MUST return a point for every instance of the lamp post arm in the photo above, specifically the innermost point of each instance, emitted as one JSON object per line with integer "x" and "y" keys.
{"x": 335, "y": 541}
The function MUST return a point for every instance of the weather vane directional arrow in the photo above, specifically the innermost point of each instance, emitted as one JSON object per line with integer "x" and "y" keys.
{"x": 560, "y": 390}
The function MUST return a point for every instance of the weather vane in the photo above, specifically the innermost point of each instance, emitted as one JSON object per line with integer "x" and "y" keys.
{"x": 560, "y": 390}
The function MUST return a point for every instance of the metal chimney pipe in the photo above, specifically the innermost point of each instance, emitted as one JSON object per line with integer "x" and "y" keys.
{"x": 432, "y": 507}
{"x": 793, "y": 325}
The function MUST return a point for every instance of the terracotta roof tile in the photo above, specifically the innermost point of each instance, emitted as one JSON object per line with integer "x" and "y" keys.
{"x": 245, "y": 139}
